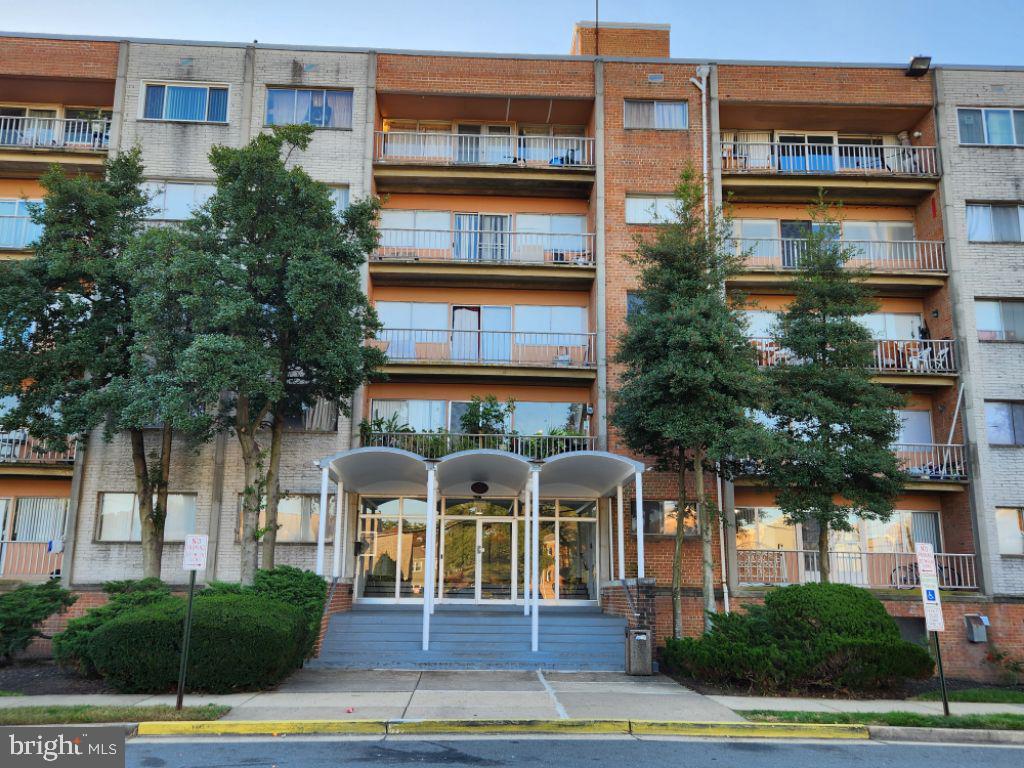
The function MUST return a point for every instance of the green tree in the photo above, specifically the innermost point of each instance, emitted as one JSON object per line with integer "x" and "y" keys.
{"x": 73, "y": 356}
{"x": 690, "y": 373}
{"x": 834, "y": 425}
{"x": 279, "y": 312}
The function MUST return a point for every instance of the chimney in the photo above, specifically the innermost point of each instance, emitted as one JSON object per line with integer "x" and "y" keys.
{"x": 646, "y": 41}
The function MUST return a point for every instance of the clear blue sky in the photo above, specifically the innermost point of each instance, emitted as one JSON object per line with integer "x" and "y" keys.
{"x": 951, "y": 31}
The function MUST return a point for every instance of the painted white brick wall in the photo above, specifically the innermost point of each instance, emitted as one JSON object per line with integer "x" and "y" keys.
{"x": 992, "y": 371}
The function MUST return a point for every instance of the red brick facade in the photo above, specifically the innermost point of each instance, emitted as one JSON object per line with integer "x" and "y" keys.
{"x": 62, "y": 59}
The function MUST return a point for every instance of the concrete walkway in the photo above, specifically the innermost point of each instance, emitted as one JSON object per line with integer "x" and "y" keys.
{"x": 782, "y": 703}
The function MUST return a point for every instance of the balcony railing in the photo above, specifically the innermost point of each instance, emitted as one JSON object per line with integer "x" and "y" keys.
{"x": 499, "y": 348}
{"x": 886, "y": 256}
{"x": 757, "y": 157}
{"x": 438, "y": 444}
{"x": 21, "y": 559}
{"x": 921, "y": 356}
{"x": 18, "y": 232}
{"x": 878, "y": 570}
{"x": 419, "y": 148}
{"x": 933, "y": 461}
{"x": 20, "y": 448}
{"x": 482, "y": 246}
{"x": 52, "y": 133}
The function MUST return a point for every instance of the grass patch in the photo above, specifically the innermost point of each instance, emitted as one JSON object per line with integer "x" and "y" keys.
{"x": 61, "y": 715}
{"x": 978, "y": 695}
{"x": 4, "y": 694}
{"x": 998, "y": 722}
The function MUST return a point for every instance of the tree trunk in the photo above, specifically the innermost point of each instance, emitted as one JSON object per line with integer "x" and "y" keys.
{"x": 823, "y": 560}
{"x": 677, "y": 557}
{"x": 273, "y": 486}
{"x": 252, "y": 497}
{"x": 706, "y": 550}
{"x": 152, "y": 514}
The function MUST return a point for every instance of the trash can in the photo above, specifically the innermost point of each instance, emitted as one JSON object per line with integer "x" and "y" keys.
{"x": 638, "y": 652}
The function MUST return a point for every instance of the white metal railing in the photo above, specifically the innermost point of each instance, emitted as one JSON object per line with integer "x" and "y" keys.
{"x": 878, "y": 570}
{"x": 875, "y": 256}
{"x": 933, "y": 461}
{"x": 50, "y": 132}
{"x": 438, "y": 444}
{"x": 519, "y": 348}
{"x": 759, "y": 157}
{"x": 19, "y": 559}
{"x": 18, "y": 232}
{"x": 924, "y": 356}
{"x": 19, "y": 447}
{"x": 422, "y": 148}
{"x": 485, "y": 246}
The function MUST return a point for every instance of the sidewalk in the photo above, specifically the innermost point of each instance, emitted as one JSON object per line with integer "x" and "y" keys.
{"x": 781, "y": 703}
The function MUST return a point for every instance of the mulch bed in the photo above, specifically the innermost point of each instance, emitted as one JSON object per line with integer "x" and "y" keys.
{"x": 34, "y": 678}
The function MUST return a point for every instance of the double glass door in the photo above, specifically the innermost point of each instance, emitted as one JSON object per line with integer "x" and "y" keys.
{"x": 478, "y": 561}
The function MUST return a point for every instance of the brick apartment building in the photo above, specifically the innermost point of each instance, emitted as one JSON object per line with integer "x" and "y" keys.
{"x": 514, "y": 187}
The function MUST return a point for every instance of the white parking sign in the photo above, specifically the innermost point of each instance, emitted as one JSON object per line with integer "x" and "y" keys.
{"x": 926, "y": 570}
{"x": 195, "y": 552}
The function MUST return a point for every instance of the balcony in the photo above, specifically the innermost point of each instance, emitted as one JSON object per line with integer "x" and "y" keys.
{"x": 437, "y": 444}
{"x": 872, "y": 570}
{"x": 30, "y": 560}
{"x": 31, "y": 144}
{"x": 456, "y": 352}
{"x": 922, "y": 358}
{"x": 933, "y": 462}
{"x": 409, "y": 161}
{"x": 17, "y": 233}
{"x": 18, "y": 448}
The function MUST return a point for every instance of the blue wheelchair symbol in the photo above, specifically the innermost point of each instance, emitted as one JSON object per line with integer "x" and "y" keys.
{"x": 929, "y": 595}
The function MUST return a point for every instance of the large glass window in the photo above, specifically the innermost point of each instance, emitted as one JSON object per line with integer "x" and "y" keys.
{"x": 763, "y": 528}
{"x": 660, "y": 115}
{"x": 119, "y": 517}
{"x": 915, "y": 427}
{"x": 651, "y": 209}
{"x": 1004, "y": 423}
{"x": 892, "y": 325}
{"x": 191, "y": 103}
{"x": 419, "y": 415}
{"x": 757, "y": 237}
{"x": 661, "y": 518}
{"x": 1000, "y": 320}
{"x": 17, "y": 230}
{"x": 534, "y": 319}
{"x": 1010, "y": 528}
{"x": 319, "y": 107}
{"x": 37, "y": 519}
{"x": 176, "y": 200}
{"x": 298, "y": 518}
{"x": 532, "y": 418}
{"x": 994, "y": 223}
{"x": 1001, "y": 127}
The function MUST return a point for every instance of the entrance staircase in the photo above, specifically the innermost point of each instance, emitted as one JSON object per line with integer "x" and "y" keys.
{"x": 572, "y": 638}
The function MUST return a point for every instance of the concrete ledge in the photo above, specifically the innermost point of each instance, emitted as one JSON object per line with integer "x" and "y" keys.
{"x": 507, "y": 726}
{"x": 748, "y": 730}
{"x": 945, "y": 735}
{"x": 259, "y": 727}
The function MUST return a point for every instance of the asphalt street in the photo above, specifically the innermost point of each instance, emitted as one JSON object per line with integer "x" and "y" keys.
{"x": 323, "y": 752}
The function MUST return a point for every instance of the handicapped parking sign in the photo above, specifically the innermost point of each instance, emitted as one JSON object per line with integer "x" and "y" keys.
{"x": 929, "y": 595}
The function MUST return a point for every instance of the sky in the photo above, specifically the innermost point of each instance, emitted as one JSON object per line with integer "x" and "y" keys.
{"x": 888, "y": 31}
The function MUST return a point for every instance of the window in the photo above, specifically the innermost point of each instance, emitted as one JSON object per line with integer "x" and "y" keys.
{"x": 320, "y": 416}
{"x": 764, "y": 528}
{"x": 420, "y": 415}
{"x": 915, "y": 427}
{"x": 634, "y": 303}
{"x": 341, "y": 198}
{"x": 38, "y": 519}
{"x": 892, "y": 325}
{"x": 660, "y": 518}
{"x": 176, "y": 201}
{"x": 1004, "y": 423}
{"x": 17, "y": 230}
{"x": 531, "y": 418}
{"x": 192, "y": 103}
{"x": 878, "y": 231}
{"x": 420, "y": 315}
{"x": 756, "y": 237}
{"x": 1010, "y": 530}
{"x": 298, "y": 518}
{"x": 321, "y": 108}
{"x": 650, "y": 209}
{"x": 999, "y": 127}
{"x": 994, "y": 223}
{"x": 761, "y": 323}
{"x": 119, "y": 517}
{"x": 533, "y": 319}
{"x": 1000, "y": 320}
{"x": 660, "y": 115}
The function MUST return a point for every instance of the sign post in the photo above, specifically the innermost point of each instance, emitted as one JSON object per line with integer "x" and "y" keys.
{"x": 193, "y": 560}
{"x": 933, "y": 619}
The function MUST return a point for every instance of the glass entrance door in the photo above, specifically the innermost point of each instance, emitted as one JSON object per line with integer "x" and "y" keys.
{"x": 477, "y": 560}
{"x": 494, "y": 552}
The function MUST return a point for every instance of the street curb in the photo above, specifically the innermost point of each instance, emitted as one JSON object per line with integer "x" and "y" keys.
{"x": 945, "y": 735}
{"x": 259, "y": 727}
{"x": 507, "y": 726}
{"x": 749, "y": 730}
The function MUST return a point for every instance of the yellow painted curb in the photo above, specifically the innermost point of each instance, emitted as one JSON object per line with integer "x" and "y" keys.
{"x": 259, "y": 727}
{"x": 507, "y": 726}
{"x": 749, "y": 730}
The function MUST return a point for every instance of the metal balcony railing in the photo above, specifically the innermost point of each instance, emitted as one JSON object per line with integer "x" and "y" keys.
{"x": 53, "y": 133}
{"x": 878, "y": 570}
{"x": 757, "y": 157}
{"x": 19, "y": 447}
{"x": 933, "y": 461}
{"x": 26, "y": 559}
{"x": 18, "y": 232}
{"x": 923, "y": 356}
{"x": 485, "y": 247}
{"x": 772, "y": 254}
{"x": 438, "y": 444}
{"x": 514, "y": 348}
{"x": 421, "y": 148}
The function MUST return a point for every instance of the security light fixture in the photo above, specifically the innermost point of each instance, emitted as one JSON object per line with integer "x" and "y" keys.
{"x": 919, "y": 66}
{"x": 479, "y": 489}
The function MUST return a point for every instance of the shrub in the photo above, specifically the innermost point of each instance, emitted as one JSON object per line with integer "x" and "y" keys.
{"x": 809, "y": 610}
{"x": 22, "y": 610}
{"x": 239, "y": 642}
{"x": 71, "y": 647}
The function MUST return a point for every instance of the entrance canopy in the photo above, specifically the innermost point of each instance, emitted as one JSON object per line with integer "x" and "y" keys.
{"x": 504, "y": 473}
{"x": 586, "y": 474}
{"x": 377, "y": 470}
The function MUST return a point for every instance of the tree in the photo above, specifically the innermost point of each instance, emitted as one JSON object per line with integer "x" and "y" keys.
{"x": 833, "y": 423}
{"x": 690, "y": 373}
{"x": 72, "y": 356}
{"x": 281, "y": 318}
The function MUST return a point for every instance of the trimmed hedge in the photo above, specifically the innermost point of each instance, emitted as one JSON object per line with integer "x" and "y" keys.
{"x": 239, "y": 642}
{"x": 808, "y": 637}
{"x": 23, "y": 609}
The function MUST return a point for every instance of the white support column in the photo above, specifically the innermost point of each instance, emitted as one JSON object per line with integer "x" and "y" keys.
{"x": 527, "y": 538}
{"x": 433, "y": 581}
{"x": 535, "y": 560}
{"x": 321, "y": 534}
{"x": 621, "y": 528}
{"x": 339, "y": 539}
{"x": 639, "y": 525}
{"x": 428, "y": 576}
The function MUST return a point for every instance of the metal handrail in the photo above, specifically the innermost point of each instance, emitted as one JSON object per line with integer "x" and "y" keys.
{"x": 933, "y": 461}
{"x": 52, "y": 132}
{"x": 20, "y": 559}
{"x": 437, "y": 444}
{"x": 19, "y": 447}
{"x": 839, "y": 159}
{"x": 485, "y": 246}
{"x": 424, "y": 148}
{"x": 873, "y": 255}
{"x": 518, "y": 348}
{"x": 921, "y": 356}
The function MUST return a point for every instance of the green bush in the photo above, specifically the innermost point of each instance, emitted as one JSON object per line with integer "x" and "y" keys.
{"x": 809, "y": 637}
{"x": 239, "y": 642}
{"x": 71, "y": 647}
{"x": 22, "y": 610}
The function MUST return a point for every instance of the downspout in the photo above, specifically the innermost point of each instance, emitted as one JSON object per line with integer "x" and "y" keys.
{"x": 702, "y": 85}
{"x": 721, "y": 547}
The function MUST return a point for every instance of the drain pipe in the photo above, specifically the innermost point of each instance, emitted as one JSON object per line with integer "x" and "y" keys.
{"x": 702, "y": 85}
{"x": 721, "y": 546}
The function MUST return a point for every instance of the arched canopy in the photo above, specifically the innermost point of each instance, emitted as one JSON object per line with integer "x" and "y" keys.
{"x": 378, "y": 470}
{"x": 586, "y": 474}
{"x": 505, "y": 473}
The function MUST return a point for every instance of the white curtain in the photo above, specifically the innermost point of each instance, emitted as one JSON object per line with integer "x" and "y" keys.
{"x": 639, "y": 114}
{"x": 979, "y": 223}
{"x": 670, "y": 115}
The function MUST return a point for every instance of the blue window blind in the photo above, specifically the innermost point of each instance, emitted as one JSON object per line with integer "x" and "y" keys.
{"x": 154, "y": 109}
{"x": 197, "y": 103}
{"x": 218, "y": 106}
{"x": 185, "y": 103}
